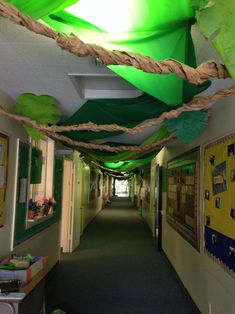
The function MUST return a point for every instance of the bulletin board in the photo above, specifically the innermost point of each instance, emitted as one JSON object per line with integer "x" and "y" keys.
{"x": 183, "y": 195}
{"x": 219, "y": 201}
{"x": 4, "y": 145}
{"x": 21, "y": 232}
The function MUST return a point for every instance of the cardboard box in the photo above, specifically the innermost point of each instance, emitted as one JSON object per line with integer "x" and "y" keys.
{"x": 24, "y": 275}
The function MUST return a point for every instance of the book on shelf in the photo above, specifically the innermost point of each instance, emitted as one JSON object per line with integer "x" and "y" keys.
{"x": 9, "y": 286}
{"x": 12, "y": 296}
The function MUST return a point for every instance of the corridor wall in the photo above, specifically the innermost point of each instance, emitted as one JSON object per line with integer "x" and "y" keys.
{"x": 106, "y": 189}
{"x": 148, "y": 209}
{"x": 50, "y": 236}
{"x": 84, "y": 208}
{"x": 94, "y": 205}
{"x": 210, "y": 286}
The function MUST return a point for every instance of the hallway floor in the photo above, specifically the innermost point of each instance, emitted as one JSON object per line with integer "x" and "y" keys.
{"x": 117, "y": 270}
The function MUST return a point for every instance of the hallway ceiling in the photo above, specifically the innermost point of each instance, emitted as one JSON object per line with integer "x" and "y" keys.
{"x": 34, "y": 64}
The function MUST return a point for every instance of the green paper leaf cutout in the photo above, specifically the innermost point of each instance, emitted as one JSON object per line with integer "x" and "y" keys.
{"x": 43, "y": 109}
{"x": 217, "y": 19}
{"x": 188, "y": 125}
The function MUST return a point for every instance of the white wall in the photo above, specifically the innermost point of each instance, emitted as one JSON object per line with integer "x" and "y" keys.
{"x": 50, "y": 236}
{"x": 149, "y": 209}
{"x": 94, "y": 206}
{"x": 206, "y": 281}
{"x": 45, "y": 243}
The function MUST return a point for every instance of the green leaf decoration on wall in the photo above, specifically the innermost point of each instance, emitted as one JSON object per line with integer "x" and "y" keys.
{"x": 43, "y": 109}
{"x": 188, "y": 125}
{"x": 216, "y": 20}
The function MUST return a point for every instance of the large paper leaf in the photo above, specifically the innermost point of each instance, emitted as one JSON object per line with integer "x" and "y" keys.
{"x": 216, "y": 20}
{"x": 188, "y": 125}
{"x": 43, "y": 109}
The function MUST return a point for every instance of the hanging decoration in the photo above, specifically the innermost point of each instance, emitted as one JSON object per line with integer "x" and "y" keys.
{"x": 27, "y": 104}
{"x": 182, "y": 126}
{"x": 43, "y": 109}
{"x": 216, "y": 20}
{"x": 129, "y": 60}
{"x": 76, "y": 46}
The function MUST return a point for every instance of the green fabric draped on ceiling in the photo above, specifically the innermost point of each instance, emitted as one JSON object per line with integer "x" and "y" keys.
{"x": 157, "y": 28}
{"x": 127, "y": 161}
{"x": 125, "y": 112}
{"x": 41, "y": 8}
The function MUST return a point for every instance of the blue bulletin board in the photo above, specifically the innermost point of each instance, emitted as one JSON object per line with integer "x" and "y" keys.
{"x": 219, "y": 202}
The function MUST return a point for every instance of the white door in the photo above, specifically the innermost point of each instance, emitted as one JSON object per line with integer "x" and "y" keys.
{"x": 67, "y": 207}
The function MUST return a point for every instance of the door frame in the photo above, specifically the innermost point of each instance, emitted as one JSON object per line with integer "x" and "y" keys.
{"x": 67, "y": 216}
{"x": 158, "y": 207}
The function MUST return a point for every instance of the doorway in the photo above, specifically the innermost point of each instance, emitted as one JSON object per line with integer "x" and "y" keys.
{"x": 67, "y": 207}
{"x": 158, "y": 209}
{"x": 122, "y": 188}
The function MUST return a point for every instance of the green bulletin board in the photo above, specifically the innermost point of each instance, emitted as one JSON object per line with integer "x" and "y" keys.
{"x": 21, "y": 232}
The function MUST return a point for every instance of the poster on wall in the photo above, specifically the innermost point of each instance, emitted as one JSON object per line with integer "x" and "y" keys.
{"x": 219, "y": 202}
{"x": 183, "y": 195}
{"x": 4, "y": 142}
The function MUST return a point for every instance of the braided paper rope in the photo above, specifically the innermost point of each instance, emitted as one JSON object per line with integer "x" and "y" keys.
{"x": 76, "y": 46}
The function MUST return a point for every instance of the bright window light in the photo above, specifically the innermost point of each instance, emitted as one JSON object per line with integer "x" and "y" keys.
{"x": 104, "y": 14}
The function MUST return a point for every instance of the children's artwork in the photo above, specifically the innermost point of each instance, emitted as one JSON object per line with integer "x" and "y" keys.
{"x": 219, "y": 178}
{"x": 182, "y": 195}
{"x": 4, "y": 142}
{"x": 219, "y": 202}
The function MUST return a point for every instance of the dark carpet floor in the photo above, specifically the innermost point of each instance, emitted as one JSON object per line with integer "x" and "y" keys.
{"x": 117, "y": 270}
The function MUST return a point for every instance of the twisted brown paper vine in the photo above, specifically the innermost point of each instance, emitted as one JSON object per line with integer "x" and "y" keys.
{"x": 105, "y": 168}
{"x": 76, "y": 46}
{"x": 111, "y": 172}
{"x": 119, "y": 176}
{"x": 198, "y": 103}
{"x": 114, "y": 149}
